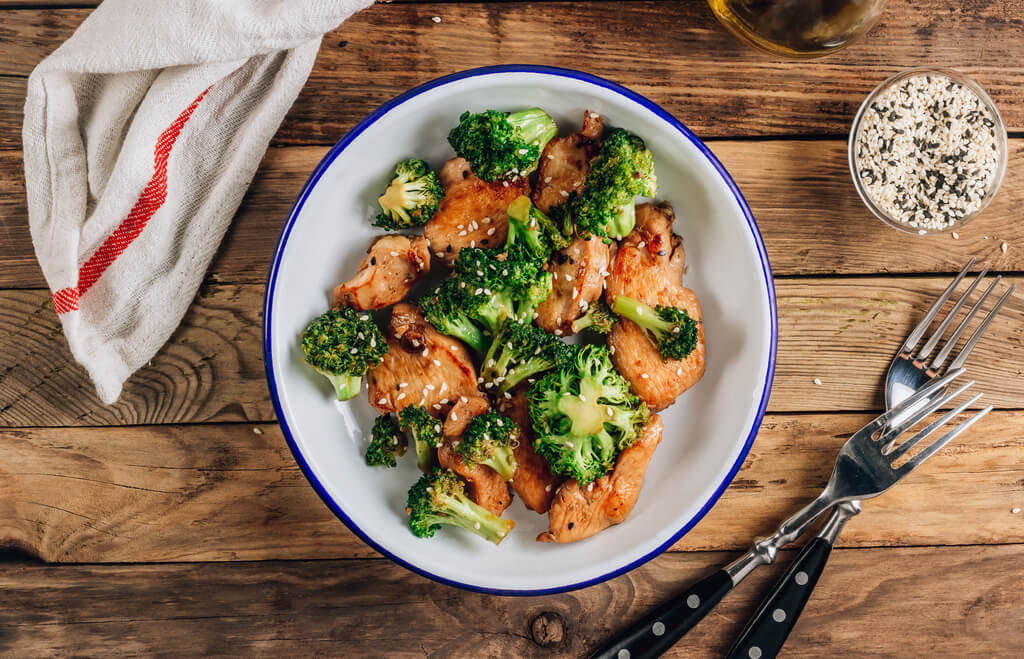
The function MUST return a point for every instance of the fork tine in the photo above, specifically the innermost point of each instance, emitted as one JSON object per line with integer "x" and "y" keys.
{"x": 932, "y": 427}
{"x": 911, "y": 401}
{"x": 938, "y": 444}
{"x": 973, "y": 341}
{"x": 941, "y": 329}
{"x": 922, "y": 326}
{"x": 915, "y": 415}
{"x": 958, "y": 332}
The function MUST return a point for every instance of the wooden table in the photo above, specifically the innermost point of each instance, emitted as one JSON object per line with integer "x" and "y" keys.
{"x": 176, "y": 521}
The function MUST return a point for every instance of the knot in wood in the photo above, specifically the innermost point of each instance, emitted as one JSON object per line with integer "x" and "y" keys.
{"x": 548, "y": 629}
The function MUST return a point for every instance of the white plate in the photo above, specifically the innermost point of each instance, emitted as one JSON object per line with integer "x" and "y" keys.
{"x": 707, "y": 432}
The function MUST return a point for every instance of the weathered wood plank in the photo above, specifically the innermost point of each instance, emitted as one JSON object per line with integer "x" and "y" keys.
{"x": 953, "y": 602}
{"x": 675, "y": 53}
{"x": 800, "y": 192}
{"x": 216, "y": 492}
{"x": 843, "y": 331}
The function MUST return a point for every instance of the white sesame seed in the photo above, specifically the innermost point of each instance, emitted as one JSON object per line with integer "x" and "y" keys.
{"x": 508, "y": 395}
{"x": 257, "y": 431}
{"x": 523, "y": 152}
{"x": 1004, "y": 247}
{"x": 454, "y": 416}
{"x": 437, "y": 406}
{"x": 354, "y": 351}
{"x": 463, "y": 399}
{"x": 382, "y": 401}
{"x": 564, "y": 193}
{"x": 403, "y": 385}
{"x": 486, "y": 220}
{"x": 547, "y": 179}
{"x": 570, "y": 445}
{"x": 400, "y": 396}
{"x": 436, "y": 19}
{"x": 547, "y": 488}
{"x": 817, "y": 381}
{"x": 394, "y": 253}
{"x": 1015, "y": 511}
{"x": 640, "y": 245}
{"x": 679, "y": 371}
{"x": 644, "y": 376}
{"x": 490, "y": 232}
{"x": 437, "y": 362}
{"x": 444, "y": 385}
{"x": 462, "y": 233}
{"x": 956, "y": 236}
{"x": 430, "y": 387}
{"x": 505, "y": 183}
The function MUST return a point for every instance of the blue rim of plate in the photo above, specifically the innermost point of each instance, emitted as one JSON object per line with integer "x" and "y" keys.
{"x": 337, "y": 149}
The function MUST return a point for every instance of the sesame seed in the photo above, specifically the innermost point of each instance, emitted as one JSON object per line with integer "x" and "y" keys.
{"x": 463, "y": 399}
{"x": 564, "y": 193}
{"x": 570, "y": 445}
{"x": 403, "y": 385}
{"x": 382, "y": 401}
{"x": 257, "y": 431}
{"x": 640, "y": 245}
{"x": 490, "y": 232}
{"x": 444, "y": 385}
{"x": 644, "y": 376}
{"x": 523, "y": 152}
{"x": 354, "y": 351}
{"x": 505, "y": 183}
{"x": 486, "y": 220}
{"x": 547, "y": 488}
{"x": 437, "y": 362}
{"x": 1004, "y": 247}
{"x": 956, "y": 236}
{"x": 364, "y": 317}
{"x": 454, "y": 416}
{"x": 460, "y": 226}
{"x": 462, "y": 233}
{"x": 394, "y": 253}
{"x": 437, "y": 406}
{"x": 400, "y": 396}
{"x": 550, "y": 157}
{"x": 558, "y": 332}
{"x": 436, "y": 19}
{"x": 817, "y": 381}
{"x": 472, "y": 243}
{"x": 609, "y": 411}
{"x": 1015, "y": 511}
{"x": 476, "y": 525}
{"x": 430, "y": 387}
{"x": 547, "y": 179}
{"x": 508, "y": 395}
{"x": 590, "y": 486}
{"x": 679, "y": 371}
{"x": 444, "y": 401}
{"x": 425, "y": 352}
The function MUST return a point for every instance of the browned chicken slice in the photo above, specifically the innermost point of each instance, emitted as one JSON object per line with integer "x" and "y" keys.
{"x": 391, "y": 267}
{"x": 473, "y": 213}
{"x": 580, "y": 512}
{"x": 565, "y": 162}
{"x": 579, "y": 272}
{"x": 485, "y": 486}
{"x": 649, "y": 268}
{"x": 533, "y": 480}
{"x": 422, "y": 367}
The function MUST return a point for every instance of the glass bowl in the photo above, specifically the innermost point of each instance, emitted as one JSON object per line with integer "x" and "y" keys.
{"x": 1000, "y": 138}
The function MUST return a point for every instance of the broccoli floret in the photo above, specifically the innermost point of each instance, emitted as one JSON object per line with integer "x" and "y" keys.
{"x": 519, "y": 351}
{"x": 584, "y": 414}
{"x": 439, "y": 497}
{"x": 499, "y": 145}
{"x": 511, "y": 284}
{"x": 411, "y": 199}
{"x": 531, "y": 232}
{"x": 490, "y": 440}
{"x": 425, "y": 431}
{"x": 622, "y": 171}
{"x": 342, "y": 345}
{"x": 598, "y": 319}
{"x": 451, "y": 307}
{"x": 387, "y": 444}
{"x": 672, "y": 330}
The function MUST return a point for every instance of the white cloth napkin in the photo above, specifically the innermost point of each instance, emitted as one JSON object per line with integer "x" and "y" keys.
{"x": 142, "y": 133}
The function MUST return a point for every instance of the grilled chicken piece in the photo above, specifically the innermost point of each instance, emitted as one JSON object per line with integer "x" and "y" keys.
{"x": 485, "y": 486}
{"x": 649, "y": 268}
{"x": 473, "y": 213}
{"x": 422, "y": 367}
{"x": 579, "y": 273}
{"x": 565, "y": 162}
{"x": 533, "y": 480}
{"x": 580, "y": 512}
{"x": 391, "y": 267}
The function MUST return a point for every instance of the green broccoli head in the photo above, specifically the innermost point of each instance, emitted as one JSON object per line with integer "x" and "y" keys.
{"x": 412, "y": 198}
{"x": 439, "y": 497}
{"x": 490, "y": 439}
{"x": 425, "y": 431}
{"x": 387, "y": 443}
{"x": 598, "y": 319}
{"x": 531, "y": 232}
{"x": 499, "y": 145}
{"x": 512, "y": 284}
{"x": 672, "y": 330}
{"x": 342, "y": 345}
{"x": 584, "y": 414}
{"x": 452, "y": 308}
{"x": 622, "y": 171}
{"x": 518, "y": 352}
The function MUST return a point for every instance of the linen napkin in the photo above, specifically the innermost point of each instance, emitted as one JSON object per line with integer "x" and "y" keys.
{"x": 142, "y": 133}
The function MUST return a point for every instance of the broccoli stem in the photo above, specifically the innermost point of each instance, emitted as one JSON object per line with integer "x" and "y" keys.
{"x": 624, "y": 221}
{"x": 642, "y": 314}
{"x": 424, "y": 454}
{"x": 345, "y": 386}
{"x": 503, "y": 462}
{"x": 469, "y": 333}
{"x": 517, "y": 374}
{"x": 462, "y": 512}
{"x": 535, "y": 126}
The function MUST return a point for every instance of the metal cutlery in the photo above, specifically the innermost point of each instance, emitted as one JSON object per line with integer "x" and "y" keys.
{"x": 767, "y": 630}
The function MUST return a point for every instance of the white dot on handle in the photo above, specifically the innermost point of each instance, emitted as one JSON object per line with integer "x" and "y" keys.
{"x": 778, "y": 615}
{"x": 693, "y": 601}
{"x": 800, "y": 578}
{"x": 623, "y": 654}
{"x": 658, "y": 628}
{"x": 754, "y": 652}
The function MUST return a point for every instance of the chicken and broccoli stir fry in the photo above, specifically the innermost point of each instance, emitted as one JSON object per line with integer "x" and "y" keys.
{"x": 539, "y": 237}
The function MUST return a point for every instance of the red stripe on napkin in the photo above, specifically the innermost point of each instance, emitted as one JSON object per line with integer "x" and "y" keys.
{"x": 149, "y": 202}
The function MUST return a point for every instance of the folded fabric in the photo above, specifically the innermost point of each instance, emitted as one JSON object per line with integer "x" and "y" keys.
{"x": 142, "y": 133}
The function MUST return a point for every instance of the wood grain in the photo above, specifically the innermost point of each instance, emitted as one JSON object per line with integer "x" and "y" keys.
{"x": 232, "y": 492}
{"x": 800, "y": 191}
{"x": 674, "y": 53}
{"x": 949, "y": 602}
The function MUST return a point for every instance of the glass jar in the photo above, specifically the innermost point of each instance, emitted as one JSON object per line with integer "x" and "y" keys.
{"x": 798, "y": 28}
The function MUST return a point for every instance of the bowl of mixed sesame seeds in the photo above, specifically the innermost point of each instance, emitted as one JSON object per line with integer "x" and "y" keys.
{"x": 927, "y": 150}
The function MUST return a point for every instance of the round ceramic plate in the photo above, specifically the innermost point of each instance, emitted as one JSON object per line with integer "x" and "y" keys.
{"x": 708, "y": 431}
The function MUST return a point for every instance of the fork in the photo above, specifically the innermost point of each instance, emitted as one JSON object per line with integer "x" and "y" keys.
{"x": 766, "y": 631}
{"x": 862, "y": 471}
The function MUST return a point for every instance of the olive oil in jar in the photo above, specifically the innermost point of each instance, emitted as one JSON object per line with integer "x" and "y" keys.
{"x": 798, "y": 28}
